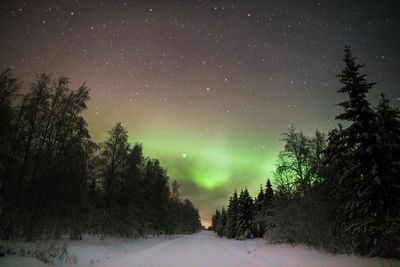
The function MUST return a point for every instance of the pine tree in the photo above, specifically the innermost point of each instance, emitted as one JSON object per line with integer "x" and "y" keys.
{"x": 362, "y": 186}
{"x": 156, "y": 182}
{"x": 269, "y": 206}
{"x": 259, "y": 212}
{"x": 232, "y": 213}
{"x": 215, "y": 220}
{"x": 389, "y": 126}
{"x": 269, "y": 193}
{"x": 336, "y": 159}
{"x": 221, "y": 223}
{"x": 130, "y": 197}
{"x": 245, "y": 216}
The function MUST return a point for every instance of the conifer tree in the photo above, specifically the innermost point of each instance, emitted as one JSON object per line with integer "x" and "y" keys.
{"x": 244, "y": 215}
{"x": 269, "y": 193}
{"x": 221, "y": 225}
{"x": 232, "y": 216}
{"x": 362, "y": 186}
{"x": 259, "y": 211}
{"x": 388, "y": 119}
{"x": 215, "y": 220}
{"x": 269, "y": 206}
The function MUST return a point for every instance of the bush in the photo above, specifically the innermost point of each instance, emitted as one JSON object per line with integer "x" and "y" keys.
{"x": 45, "y": 251}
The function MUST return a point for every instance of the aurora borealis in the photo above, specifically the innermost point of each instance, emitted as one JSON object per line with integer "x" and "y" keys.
{"x": 206, "y": 86}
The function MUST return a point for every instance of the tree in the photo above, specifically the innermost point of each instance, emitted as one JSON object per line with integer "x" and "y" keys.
{"x": 156, "y": 182}
{"x": 299, "y": 164}
{"x": 47, "y": 135}
{"x": 116, "y": 152}
{"x": 269, "y": 193}
{"x": 175, "y": 195}
{"x": 269, "y": 207}
{"x": 221, "y": 223}
{"x": 215, "y": 220}
{"x": 54, "y": 180}
{"x": 362, "y": 187}
{"x": 244, "y": 215}
{"x": 259, "y": 212}
{"x": 388, "y": 119}
{"x": 9, "y": 86}
{"x": 130, "y": 197}
{"x": 232, "y": 216}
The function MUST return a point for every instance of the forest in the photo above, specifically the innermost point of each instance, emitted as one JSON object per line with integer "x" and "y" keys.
{"x": 340, "y": 191}
{"x": 54, "y": 180}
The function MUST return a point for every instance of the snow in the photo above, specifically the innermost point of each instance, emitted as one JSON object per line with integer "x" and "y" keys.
{"x": 20, "y": 261}
{"x": 201, "y": 249}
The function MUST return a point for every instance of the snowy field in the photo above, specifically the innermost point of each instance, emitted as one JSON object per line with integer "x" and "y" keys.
{"x": 201, "y": 249}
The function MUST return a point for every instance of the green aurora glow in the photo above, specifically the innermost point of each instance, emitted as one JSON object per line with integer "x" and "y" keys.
{"x": 206, "y": 86}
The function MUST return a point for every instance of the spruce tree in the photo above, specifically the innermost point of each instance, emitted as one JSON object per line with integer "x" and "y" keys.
{"x": 362, "y": 185}
{"x": 221, "y": 223}
{"x": 269, "y": 193}
{"x": 215, "y": 220}
{"x": 232, "y": 213}
{"x": 259, "y": 211}
{"x": 244, "y": 216}
{"x": 269, "y": 206}
{"x": 389, "y": 126}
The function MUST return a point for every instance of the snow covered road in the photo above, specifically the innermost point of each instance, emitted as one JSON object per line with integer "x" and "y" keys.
{"x": 202, "y": 249}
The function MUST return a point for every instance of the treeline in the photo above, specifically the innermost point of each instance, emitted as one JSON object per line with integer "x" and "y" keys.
{"x": 54, "y": 180}
{"x": 342, "y": 192}
{"x": 245, "y": 218}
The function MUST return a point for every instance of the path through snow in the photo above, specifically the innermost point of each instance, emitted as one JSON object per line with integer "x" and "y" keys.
{"x": 203, "y": 249}
{"x": 198, "y": 250}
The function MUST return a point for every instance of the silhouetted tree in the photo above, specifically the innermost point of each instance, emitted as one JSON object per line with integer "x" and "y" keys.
{"x": 362, "y": 186}
{"x": 54, "y": 180}
{"x": 232, "y": 216}
{"x": 221, "y": 224}
{"x": 259, "y": 212}
{"x": 244, "y": 215}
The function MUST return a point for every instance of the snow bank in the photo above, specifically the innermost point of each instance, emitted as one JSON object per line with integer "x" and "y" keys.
{"x": 301, "y": 256}
{"x": 16, "y": 261}
{"x": 91, "y": 251}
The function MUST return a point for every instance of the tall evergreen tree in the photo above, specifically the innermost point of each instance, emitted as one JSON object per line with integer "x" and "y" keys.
{"x": 244, "y": 216}
{"x": 232, "y": 216}
{"x": 269, "y": 206}
{"x": 215, "y": 220}
{"x": 155, "y": 183}
{"x": 221, "y": 224}
{"x": 269, "y": 193}
{"x": 389, "y": 160}
{"x": 361, "y": 187}
{"x": 259, "y": 211}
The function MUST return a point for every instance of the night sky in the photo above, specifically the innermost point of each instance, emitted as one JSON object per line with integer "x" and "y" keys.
{"x": 206, "y": 86}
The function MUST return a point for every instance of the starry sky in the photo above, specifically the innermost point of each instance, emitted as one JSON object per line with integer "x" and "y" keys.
{"x": 206, "y": 86}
